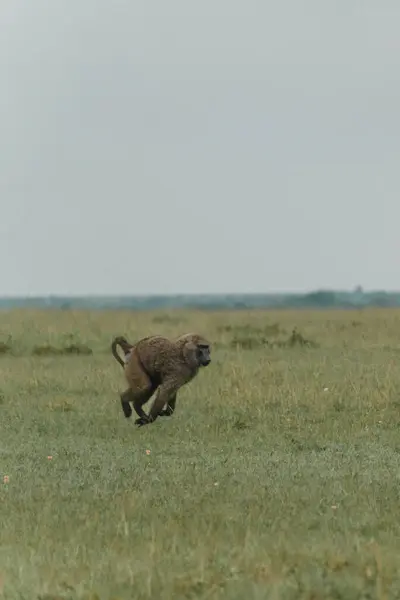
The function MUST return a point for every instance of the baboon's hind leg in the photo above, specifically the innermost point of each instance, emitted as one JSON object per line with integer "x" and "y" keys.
{"x": 138, "y": 398}
{"x": 125, "y": 399}
{"x": 141, "y": 387}
{"x": 141, "y": 398}
{"x": 166, "y": 392}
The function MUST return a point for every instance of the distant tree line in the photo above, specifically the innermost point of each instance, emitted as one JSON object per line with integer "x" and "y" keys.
{"x": 318, "y": 299}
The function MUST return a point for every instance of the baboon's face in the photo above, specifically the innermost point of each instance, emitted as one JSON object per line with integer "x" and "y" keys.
{"x": 203, "y": 354}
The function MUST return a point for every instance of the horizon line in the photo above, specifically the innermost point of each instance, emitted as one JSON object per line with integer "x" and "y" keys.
{"x": 192, "y": 294}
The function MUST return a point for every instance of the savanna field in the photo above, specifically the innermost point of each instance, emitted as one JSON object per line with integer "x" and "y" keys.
{"x": 277, "y": 477}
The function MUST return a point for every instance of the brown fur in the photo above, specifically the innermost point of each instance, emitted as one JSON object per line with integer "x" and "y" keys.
{"x": 157, "y": 363}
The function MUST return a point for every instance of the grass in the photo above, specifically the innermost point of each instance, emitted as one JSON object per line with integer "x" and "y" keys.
{"x": 277, "y": 477}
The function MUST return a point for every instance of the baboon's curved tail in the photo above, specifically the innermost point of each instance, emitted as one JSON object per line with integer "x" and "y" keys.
{"x": 125, "y": 346}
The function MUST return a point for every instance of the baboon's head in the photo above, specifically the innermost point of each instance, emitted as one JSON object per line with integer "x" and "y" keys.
{"x": 203, "y": 353}
{"x": 196, "y": 349}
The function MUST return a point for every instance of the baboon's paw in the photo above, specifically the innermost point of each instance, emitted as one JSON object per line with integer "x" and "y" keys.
{"x": 142, "y": 421}
{"x": 167, "y": 412}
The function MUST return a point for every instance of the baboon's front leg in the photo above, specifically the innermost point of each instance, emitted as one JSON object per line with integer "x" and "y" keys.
{"x": 166, "y": 393}
{"x": 169, "y": 411}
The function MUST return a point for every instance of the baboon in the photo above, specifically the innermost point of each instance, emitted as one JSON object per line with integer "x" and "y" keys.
{"x": 157, "y": 363}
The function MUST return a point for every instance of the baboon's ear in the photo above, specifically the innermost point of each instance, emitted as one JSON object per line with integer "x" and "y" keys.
{"x": 190, "y": 353}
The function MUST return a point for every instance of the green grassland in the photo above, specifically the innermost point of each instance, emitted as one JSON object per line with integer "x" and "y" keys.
{"x": 277, "y": 477}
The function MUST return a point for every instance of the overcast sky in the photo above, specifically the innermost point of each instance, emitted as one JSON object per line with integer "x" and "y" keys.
{"x": 171, "y": 146}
